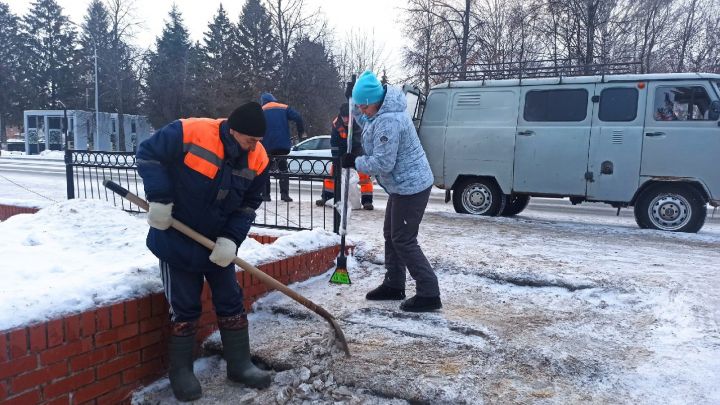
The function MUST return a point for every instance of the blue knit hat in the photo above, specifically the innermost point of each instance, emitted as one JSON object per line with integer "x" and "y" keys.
{"x": 368, "y": 89}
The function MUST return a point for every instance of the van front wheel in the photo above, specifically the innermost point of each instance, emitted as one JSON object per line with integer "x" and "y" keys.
{"x": 479, "y": 197}
{"x": 670, "y": 207}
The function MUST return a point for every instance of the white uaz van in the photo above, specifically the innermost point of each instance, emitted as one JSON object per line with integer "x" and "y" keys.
{"x": 649, "y": 141}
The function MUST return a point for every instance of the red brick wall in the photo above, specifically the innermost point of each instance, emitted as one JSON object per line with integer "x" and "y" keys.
{"x": 102, "y": 355}
{"x": 6, "y": 211}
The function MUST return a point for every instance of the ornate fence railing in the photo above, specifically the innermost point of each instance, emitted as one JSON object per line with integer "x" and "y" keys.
{"x": 86, "y": 170}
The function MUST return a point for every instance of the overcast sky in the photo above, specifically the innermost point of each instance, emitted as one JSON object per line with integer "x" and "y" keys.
{"x": 381, "y": 16}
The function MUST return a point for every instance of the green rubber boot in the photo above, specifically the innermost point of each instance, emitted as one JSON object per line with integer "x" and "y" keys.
{"x": 236, "y": 350}
{"x": 185, "y": 385}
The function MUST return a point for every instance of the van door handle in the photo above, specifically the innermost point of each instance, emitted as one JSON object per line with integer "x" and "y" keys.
{"x": 526, "y": 133}
{"x": 654, "y": 133}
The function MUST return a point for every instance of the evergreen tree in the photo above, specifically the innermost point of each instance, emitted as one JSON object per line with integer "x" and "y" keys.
{"x": 96, "y": 33}
{"x": 258, "y": 54}
{"x": 314, "y": 86}
{"x": 51, "y": 58}
{"x": 219, "y": 72}
{"x": 10, "y": 71}
{"x": 196, "y": 95}
{"x": 167, "y": 90}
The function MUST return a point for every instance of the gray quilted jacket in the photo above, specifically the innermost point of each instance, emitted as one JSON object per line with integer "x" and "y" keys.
{"x": 393, "y": 153}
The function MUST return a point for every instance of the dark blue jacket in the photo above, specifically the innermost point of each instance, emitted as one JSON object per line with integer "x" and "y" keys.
{"x": 221, "y": 206}
{"x": 277, "y": 115}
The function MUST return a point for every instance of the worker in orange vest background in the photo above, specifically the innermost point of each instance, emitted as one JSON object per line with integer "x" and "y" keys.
{"x": 338, "y": 144}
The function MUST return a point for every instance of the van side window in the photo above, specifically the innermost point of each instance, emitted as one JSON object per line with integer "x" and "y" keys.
{"x": 687, "y": 103}
{"x": 618, "y": 104}
{"x": 556, "y": 105}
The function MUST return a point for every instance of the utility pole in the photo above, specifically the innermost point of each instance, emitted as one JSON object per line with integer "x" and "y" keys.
{"x": 97, "y": 111}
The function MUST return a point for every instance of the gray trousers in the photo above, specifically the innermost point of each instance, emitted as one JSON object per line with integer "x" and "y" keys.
{"x": 403, "y": 215}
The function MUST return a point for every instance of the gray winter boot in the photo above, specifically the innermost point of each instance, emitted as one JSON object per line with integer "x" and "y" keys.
{"x": 185, "y": 385}
{"x": 236, "y": 350}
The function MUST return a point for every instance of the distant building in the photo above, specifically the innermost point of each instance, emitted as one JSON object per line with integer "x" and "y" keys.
{"x": 44, "y": 131}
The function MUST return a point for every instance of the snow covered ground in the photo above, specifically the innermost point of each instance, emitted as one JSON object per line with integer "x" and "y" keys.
{"x": 546, "y": 307}
{"x": 81, "y": 254}
{"x": 540, "y": 308}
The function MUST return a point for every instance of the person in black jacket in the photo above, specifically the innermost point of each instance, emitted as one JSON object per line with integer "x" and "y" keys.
{"x": 210, "y": 175}
{"x": 338, "y": 148}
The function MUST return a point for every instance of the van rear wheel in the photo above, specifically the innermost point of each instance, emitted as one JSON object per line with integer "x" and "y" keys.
{"x": 478, "y": 196}
{"x": 671, "y": 207}
{"x": 515, "y": 205}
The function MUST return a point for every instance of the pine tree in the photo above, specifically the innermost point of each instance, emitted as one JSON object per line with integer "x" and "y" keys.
{"x": 314, "y": 85}
{"x": 167, "y": 90}
{"x": 10, "y": 71}
{"x": 258, "y": 54}
{"x": 51, "y": 57}
{"x": 197, "y": 99}
{"x": 219, "y": 67}
{"x": 95, "y": 33}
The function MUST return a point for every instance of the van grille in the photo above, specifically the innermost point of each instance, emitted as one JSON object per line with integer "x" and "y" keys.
{"x": 617, "y": 136}
{"x": 465, "y": 100}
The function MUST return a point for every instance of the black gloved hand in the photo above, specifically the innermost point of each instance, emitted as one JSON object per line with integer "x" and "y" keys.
{"x": 348, "y": 161}
{"x": 349, "y": 87}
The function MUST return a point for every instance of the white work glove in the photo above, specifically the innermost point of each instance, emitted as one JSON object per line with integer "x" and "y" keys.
{"x": 224, "y": 252}
{"x": 160, "y": 215}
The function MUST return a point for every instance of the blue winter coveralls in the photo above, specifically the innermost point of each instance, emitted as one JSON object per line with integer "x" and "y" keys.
{"x": 216, "y": 187}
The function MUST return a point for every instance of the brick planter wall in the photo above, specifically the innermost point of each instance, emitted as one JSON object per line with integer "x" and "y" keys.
{"x": 6, "y": 211}
{"x": 100, "y": 356}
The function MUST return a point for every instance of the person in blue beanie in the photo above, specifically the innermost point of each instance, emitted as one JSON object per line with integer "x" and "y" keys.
{"x": 277, "y": 140}
{"x": 394, "y": 155}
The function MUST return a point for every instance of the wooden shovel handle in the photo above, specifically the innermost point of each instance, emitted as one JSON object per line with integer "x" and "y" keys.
{"x": 266, "y": 279}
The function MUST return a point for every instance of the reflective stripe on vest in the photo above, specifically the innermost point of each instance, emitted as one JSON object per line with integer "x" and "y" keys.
{"x": 273, "y": 104}
{"x": 341, "y": 129}
{"x": 204, "y": 150}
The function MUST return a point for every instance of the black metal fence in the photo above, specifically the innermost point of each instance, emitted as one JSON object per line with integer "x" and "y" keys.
{"x": 86, "y": 170}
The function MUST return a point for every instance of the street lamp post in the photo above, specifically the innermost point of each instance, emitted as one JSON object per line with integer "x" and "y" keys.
{"x": 97, "y": 111}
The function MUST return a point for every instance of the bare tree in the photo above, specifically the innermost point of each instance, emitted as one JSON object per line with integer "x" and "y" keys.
{"x": 291, "y": 22}
{"x": 360, "y": 51}
{"x": 459, "y": 22}
{"x": 123, "y": 25}
{"x": 423, "y": 29}
{"x": 510, "y": 35}
{"x": 653, "y": 17}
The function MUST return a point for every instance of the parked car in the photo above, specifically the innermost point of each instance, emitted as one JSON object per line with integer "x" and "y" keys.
{"x": 650, "y": 141}
{"x": 311, "y": 156}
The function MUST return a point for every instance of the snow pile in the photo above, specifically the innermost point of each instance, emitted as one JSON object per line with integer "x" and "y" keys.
{"x": 51, "y": 155}
{"x": 81, "y": 254}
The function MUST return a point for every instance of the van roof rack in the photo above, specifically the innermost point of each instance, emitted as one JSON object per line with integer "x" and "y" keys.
{"x": 539, "y": 68}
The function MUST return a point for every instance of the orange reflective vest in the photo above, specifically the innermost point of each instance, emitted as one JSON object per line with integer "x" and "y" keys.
{"x": 205, "y": 152}
{"x": 340, "y": 127}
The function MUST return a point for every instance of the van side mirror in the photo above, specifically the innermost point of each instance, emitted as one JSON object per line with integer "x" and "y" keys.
{"x": 714, "y": 113}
